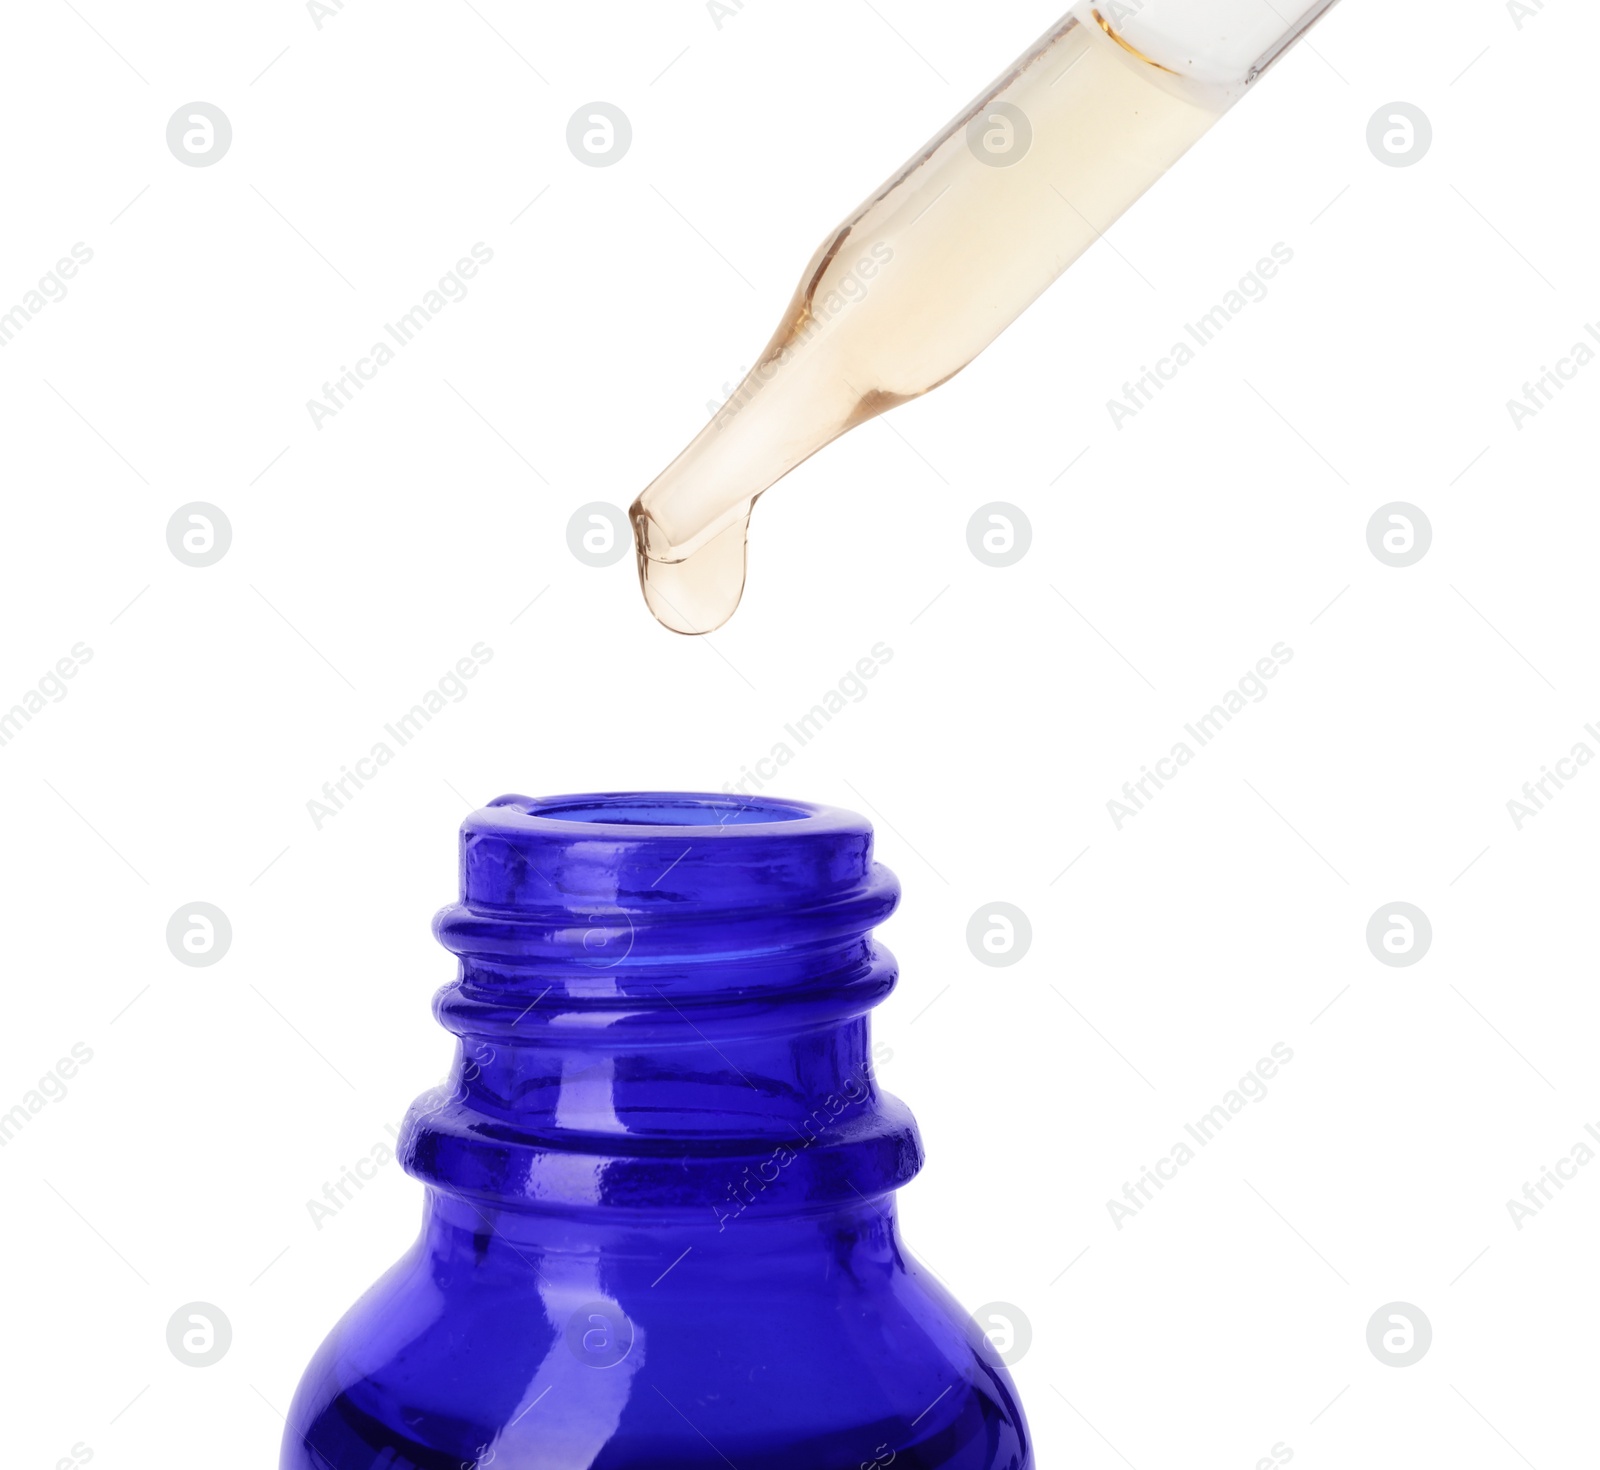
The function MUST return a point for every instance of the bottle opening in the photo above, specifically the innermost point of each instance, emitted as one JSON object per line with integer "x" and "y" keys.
{"x": 648, "y": 809}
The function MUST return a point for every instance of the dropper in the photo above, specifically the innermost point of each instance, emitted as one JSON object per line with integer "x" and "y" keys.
{"x": 948, "y": 253}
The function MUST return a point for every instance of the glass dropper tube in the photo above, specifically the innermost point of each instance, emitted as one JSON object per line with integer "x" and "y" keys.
{"x": 948, "y": 253}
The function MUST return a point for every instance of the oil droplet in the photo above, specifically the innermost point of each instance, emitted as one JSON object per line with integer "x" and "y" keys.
{"x": 700, "y": 592}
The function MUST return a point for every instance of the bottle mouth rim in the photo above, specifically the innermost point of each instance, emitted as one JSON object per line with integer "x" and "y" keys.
{"x": 632, "y": 815}
{"x": 662, "y": 863}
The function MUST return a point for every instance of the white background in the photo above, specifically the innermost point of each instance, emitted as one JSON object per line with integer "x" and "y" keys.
{"x": 373, "y": 553}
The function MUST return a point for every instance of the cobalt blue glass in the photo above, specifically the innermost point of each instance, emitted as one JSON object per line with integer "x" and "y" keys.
{"x": 660, "y": 1219}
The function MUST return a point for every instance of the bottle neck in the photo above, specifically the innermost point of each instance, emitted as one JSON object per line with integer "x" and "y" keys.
{"x": 665, "y": 1052}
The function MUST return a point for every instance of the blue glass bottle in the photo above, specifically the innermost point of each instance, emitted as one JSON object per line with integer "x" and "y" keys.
{"x": 660, "y": 1221}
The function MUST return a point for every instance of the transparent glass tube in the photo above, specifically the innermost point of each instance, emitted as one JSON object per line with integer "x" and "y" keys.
{"x": 950, "y": 251}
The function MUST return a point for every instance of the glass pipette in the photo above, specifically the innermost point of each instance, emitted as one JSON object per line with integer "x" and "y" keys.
{"x": 950, "y": 251}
